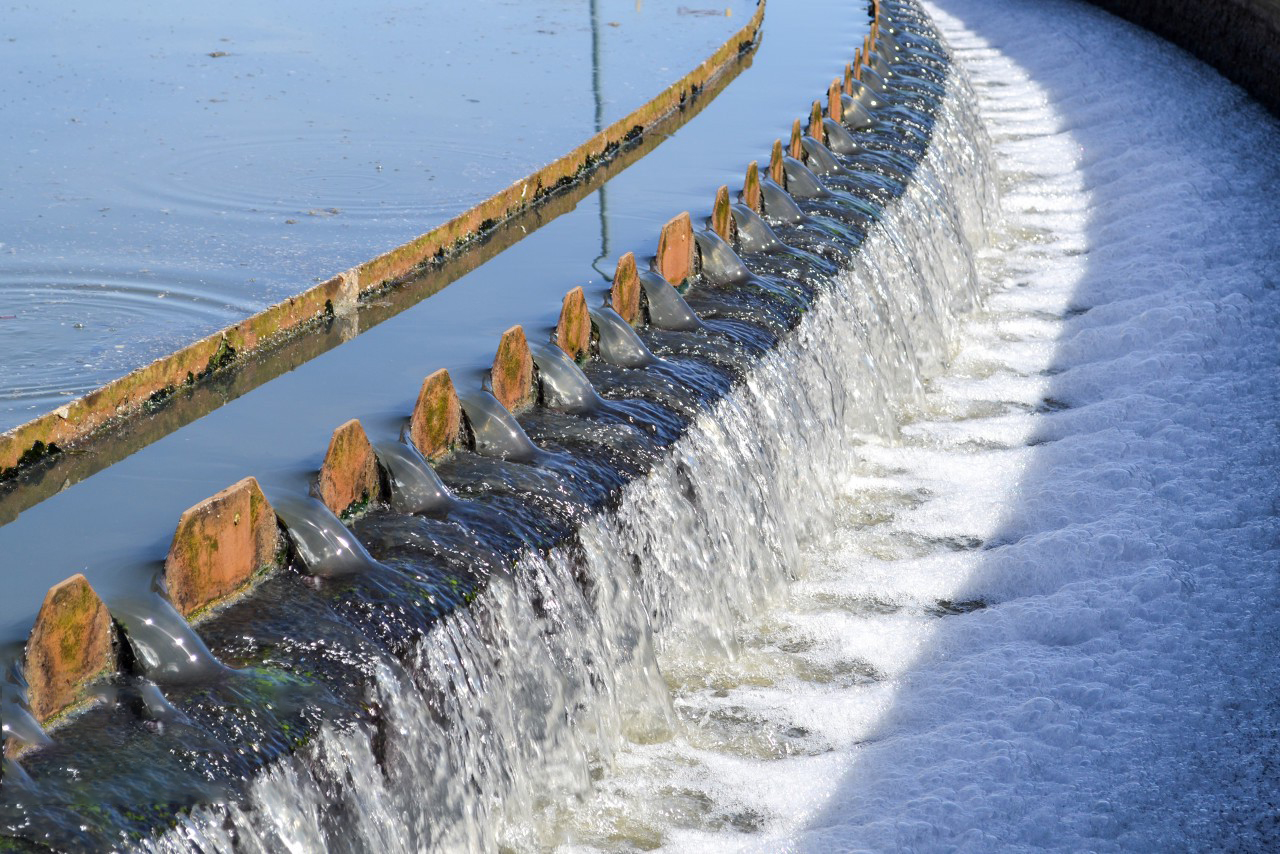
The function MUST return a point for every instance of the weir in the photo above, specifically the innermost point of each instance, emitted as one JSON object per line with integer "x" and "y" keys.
{"x": 455, "y": 633}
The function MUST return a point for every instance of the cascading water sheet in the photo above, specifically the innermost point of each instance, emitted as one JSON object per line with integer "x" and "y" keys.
{"x": 1043, "y": 615}
{"x": 592, "y": 666}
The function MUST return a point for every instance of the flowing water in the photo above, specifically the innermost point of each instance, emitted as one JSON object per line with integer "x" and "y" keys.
{"x": 513, "y": 723}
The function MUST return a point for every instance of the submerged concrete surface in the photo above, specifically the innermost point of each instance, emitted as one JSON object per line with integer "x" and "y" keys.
{"x": 1240, "y": 38}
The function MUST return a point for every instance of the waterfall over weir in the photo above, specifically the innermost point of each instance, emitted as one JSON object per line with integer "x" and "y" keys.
{"x": 443, "y": 696}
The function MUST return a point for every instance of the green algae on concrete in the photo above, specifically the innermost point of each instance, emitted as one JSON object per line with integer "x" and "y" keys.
{"x": 722, "y": 215}
{"x": 220, "y": 545}
{"x": 573, "y": 330}
{"x": 436, "y": 423}
{"x": 674, "y": 261}
{"x": 511, "y": 378}
{"x": 624, "y": 292}
{"x": 349, "y": 474}
{"x": 71, "y": 646}
{"x": 751, "y": 188}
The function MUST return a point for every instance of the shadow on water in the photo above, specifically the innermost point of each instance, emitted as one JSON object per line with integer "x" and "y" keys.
{"x": 1116, "y": 687}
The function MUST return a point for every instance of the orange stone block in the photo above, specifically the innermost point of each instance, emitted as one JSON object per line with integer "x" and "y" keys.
{"x": 436, "y": 423}
{"x": 751, "y": 188}
{"x": 722, "y": 215}
{"x": 70, "y": 646}
{"x": 848, "y": 78}
{"x": 775, "y": 164}
{"x": 220, "y": 544}
{"x": 624, "y": 294}
{"x": 835, "y": 106}
{"x": 675, "y": 250}
{"x": 349, "y": 473}
{"x": 512, "y": 375}
{"x": 573, "y": 331}
{"x": 815, "y": 123}
{"x": 794, "y": 147}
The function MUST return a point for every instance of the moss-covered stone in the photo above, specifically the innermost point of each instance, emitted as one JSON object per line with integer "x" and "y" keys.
{"x": 815, "y": 123}
{"x": 436, "y": 423}
{"x": 511, "y": 377}
{"x": 751, "y": 188}
{"x": 220, "y": 545}
{"x": 775, "y": 164}
{"x": 794, "y": 147}
{"x": 349, "y": 475}
{"x": 624, "y": 293}
{"x": 722, "y": 215}
{"x": 573, "y": 331}
{"x": 70, "y": 647}
{"x": 675, "y": 250}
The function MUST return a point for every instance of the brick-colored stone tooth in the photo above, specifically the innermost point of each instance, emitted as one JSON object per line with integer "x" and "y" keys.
{"x": 220, "y": 544}
{"x": 71, "y": 646}
{"x": 675, "y": 250}
{"x": 776, "y": 171}
{"x": 835, "y": 107}
{"x": 751, "y": 188}
{"x": 573, "y": 331}
{"x": 624, "y": 294}
{"x": 722, "y": 216}
{"x": 794, "y": 147}
{"x": 511, "y": 378}
{"x": 848, "y": 77}
{"x": 436, "y": 423}
{"x": 815, "y": 123}
{"x": 349, "y": 474}
{"x": 857, "y": 66}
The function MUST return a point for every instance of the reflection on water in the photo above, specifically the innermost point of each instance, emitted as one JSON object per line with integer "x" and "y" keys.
{"x": 228, "y": 155}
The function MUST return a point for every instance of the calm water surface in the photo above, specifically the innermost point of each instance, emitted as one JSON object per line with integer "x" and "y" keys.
{"x": 169, "y": 170}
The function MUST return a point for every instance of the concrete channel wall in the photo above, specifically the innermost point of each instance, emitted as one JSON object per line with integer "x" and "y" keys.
{"x": 226, "y": 544}
{"x": 1240, "y": 38}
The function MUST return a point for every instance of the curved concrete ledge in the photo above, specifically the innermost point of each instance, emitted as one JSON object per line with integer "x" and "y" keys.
{"x": 1240, "y": 38}
{"x": 337, "y": 297}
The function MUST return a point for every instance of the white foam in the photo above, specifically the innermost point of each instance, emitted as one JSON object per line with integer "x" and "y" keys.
{"x": 1106, "y": 482}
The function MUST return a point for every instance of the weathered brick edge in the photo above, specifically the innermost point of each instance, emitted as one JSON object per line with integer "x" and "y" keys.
{"x": 127, "y": 396}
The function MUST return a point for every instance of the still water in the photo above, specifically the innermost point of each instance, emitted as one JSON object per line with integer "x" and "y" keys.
{"x": 169, "y": 170}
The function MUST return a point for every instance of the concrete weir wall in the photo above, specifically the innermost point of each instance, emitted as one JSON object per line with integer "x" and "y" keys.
{"x": 223, "y": 546}
{"x": 1240, "y": 38}
{"x": 226, "y": 542}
